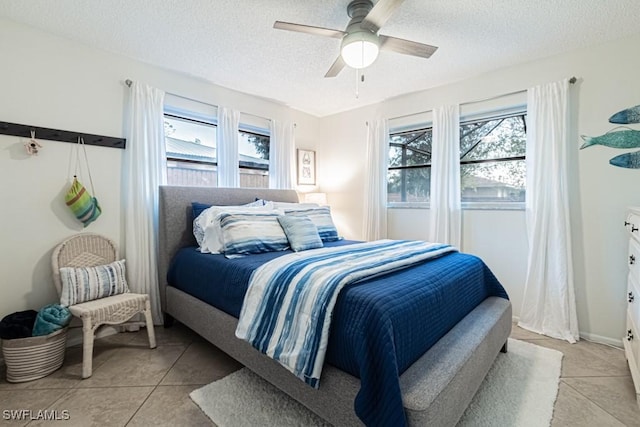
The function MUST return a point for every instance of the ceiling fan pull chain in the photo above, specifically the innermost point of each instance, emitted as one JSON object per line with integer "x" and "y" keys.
{"x": 357, "y": 83}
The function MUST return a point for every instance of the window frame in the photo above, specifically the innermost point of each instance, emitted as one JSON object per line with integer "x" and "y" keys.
{"x": 211, "y": 123}
{"x": 203, "y": 166}
{"x": 514, "y": 111}
{"x": 405, "y": 130}
{"x": 179, "y": 114}
{"x": 258, "y": 132}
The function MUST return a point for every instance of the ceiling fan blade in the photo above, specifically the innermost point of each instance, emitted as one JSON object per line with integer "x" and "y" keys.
{"x": 337, "y": 66}
{"x": 406, "y": 47}
{"x": 380, "y": 13}
{"x": 318, "y": 31}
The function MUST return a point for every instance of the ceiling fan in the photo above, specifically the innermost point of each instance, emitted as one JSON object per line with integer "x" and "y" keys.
{"x": 361, "y": 41}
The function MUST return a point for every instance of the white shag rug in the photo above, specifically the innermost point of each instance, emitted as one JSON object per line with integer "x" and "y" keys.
{"x": 519, "y": 390}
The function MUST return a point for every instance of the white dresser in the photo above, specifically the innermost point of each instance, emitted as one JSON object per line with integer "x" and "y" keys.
{"x": 632, "y": 338}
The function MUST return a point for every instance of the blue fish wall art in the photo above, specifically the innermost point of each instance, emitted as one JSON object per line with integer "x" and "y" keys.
{"x": 627, "y": 160}
{"x": 627, "y": 138}
{"x": 625, "y": 117}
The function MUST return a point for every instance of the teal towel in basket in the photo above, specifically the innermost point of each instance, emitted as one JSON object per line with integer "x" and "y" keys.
{"x": 50, "y": 318}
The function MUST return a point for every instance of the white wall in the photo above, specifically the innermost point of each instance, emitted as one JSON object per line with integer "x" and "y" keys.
{"x": 607, "y": 83}
{"x": 56, "y": 83}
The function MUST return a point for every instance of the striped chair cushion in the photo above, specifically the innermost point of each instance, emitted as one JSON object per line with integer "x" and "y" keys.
{"x": 89, "y": 283}
{"x": 321, "y": 217}
{"x": 250, "y": 233}
{"x": 301, "y": 232}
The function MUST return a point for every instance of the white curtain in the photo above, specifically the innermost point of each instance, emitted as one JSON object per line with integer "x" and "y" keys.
{"x": 375, "y": 192}
{"x": 445, "y": 206}
{"x": 281, "y": 155}
{"x": 227, "y": 155}
{"x": 548, "y": 306}
{"x": 144, "y": 169}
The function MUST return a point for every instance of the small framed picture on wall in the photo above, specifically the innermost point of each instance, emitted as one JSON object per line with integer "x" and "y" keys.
{"x": 306, "y": 167}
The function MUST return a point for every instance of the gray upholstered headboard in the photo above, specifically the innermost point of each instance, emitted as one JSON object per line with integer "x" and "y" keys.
{"x": 175, "y": 220}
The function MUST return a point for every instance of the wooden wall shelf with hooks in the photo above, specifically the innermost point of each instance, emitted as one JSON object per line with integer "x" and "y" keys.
{"x": 47, "y": 134}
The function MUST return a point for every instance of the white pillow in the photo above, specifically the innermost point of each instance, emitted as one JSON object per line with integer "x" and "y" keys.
{"x": 209, "y": 222}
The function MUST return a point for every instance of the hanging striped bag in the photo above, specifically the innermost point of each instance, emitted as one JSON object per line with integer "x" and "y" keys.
{"x": 84, "y": 206}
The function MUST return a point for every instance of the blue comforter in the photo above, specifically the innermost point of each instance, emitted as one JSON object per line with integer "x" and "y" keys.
{"x": 373, "y": 332}
{"x": 287, "y": 310}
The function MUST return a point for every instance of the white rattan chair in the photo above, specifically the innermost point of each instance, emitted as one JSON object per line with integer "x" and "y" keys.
{"x": 89, "y": 250}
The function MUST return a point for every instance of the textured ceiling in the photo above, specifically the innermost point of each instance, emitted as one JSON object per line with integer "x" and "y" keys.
{"x": 232, "y": 43}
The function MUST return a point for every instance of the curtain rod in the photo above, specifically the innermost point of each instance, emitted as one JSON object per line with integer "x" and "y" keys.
{"x": 572, "y": 80}
{"x": 129, "y": 82}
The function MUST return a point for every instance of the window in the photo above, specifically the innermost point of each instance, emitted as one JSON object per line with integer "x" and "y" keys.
{"x": 492, "y": 159}
{"x": 409, "y": 175}
{"x": 191, "y": 152}
{"x": 254, "y": 159}
{"x": 492, "y": 162}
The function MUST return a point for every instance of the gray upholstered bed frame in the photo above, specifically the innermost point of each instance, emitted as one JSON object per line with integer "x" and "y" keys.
{"x": 436, "y": 389}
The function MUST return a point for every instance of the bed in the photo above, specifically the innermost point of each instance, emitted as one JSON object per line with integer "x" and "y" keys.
{"x": 435, "y": 389}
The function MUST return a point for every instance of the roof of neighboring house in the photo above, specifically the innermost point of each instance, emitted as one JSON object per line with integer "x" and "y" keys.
{"x": 187, "y": 150}
{"x": 479, "y": 182}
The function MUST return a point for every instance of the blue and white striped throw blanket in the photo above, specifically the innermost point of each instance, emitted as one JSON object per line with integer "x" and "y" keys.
{"x": 287, "y": 309}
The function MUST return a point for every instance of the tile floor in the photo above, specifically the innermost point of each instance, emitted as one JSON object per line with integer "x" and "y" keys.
{"x": 134, "y": 386}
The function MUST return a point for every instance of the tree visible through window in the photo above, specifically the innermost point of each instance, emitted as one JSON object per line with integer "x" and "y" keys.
{"x": 409, "y": 176}
{"x": 254, "y": 160}
{"x": 492, "y": 161}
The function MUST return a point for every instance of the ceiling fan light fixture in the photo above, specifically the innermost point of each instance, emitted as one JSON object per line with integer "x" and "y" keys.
{"x": 359, "y": 49}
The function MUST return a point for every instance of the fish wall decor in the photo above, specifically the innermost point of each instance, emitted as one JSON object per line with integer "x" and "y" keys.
{"x": 625, "y": 117}
{"x": 627, "y": 138}
{"x": 627, "y": 160}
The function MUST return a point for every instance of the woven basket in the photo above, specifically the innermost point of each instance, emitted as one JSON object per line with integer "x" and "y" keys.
{"x": 31, "y": 358}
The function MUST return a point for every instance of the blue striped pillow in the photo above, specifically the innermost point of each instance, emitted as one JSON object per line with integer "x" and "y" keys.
{"x": 321, "y": 217}
{"x": 251, "y": 233}
{"x": 206, "y": 227}
{"x": 301, "y": 232}
{"x": 84, "y": 284}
